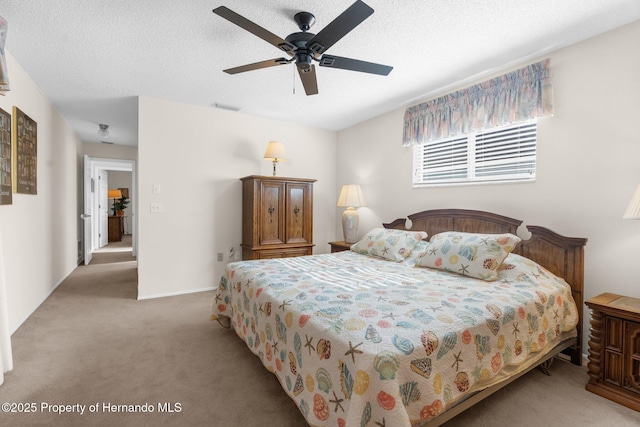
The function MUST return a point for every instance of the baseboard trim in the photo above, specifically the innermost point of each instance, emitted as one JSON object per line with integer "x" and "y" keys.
{"x": 41, "y": 302}
{"x": 173, "y": 294}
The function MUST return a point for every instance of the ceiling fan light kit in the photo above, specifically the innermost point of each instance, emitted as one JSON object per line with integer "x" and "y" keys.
{"x": 103, "y": 131}
{"x": 304, "y": 47}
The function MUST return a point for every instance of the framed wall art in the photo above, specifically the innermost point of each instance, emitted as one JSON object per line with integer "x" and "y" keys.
{"x": 25, "y": 154}
{"x": 6, "y": 187}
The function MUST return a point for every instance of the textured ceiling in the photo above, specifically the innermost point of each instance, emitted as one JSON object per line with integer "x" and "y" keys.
{"x": 92, "y": 58}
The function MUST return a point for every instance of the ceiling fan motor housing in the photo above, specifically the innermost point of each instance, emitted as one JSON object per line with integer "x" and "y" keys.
{"x": 304, "y": 56}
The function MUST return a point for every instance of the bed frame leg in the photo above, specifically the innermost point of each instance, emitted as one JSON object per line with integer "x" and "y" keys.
{"x": 546, "y": 365}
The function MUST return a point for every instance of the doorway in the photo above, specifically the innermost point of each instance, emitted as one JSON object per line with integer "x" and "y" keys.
{"x": 95, "y": 204}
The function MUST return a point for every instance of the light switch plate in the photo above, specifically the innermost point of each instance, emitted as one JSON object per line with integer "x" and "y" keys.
{"x": 156, "y": 188}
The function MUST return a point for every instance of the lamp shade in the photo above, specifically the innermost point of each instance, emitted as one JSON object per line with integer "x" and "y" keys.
{"x": 275, "y": 151}
{"x": 351, "y": 196}
{"x": 114, "y": 194}
{"x": 633, "y": 210}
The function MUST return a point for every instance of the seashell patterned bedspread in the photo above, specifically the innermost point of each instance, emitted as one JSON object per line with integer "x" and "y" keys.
{"x": 356, "y": 340}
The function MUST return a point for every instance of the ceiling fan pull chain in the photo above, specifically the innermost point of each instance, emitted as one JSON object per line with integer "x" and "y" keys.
{"x": 294, "y": 79}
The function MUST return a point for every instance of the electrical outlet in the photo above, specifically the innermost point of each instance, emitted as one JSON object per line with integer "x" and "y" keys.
{"x": 156, "y": 207}
{"x": 220, "y": 256}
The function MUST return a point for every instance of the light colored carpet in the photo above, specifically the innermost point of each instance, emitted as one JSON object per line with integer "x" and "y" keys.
{"x": 93, "y": 343}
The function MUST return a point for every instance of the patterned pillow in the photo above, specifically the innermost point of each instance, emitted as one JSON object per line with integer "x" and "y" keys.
{"x": 416, "y": 253}
{"x": 394, "y": 245}
{"x": 469, "y": 254}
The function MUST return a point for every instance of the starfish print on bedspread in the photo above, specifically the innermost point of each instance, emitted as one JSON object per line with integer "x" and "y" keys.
{"x": 337, "y": 401}
{"x": 390, "y": 316}
{"x": 309, "y": 344}
{"x": 284, "y": 304}
{"x": 353, "y": 350}
{"x": 516, "y": 330}
{"x": 457, "y": 361}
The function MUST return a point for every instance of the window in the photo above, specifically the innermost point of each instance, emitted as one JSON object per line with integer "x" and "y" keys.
{"x": 501, "y": 154}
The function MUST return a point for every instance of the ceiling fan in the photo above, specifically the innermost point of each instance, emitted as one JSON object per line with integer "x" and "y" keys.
{"x": 304, "y": 47}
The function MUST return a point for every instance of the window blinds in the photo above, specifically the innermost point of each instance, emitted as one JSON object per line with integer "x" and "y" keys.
{"x": 499, "y": 154}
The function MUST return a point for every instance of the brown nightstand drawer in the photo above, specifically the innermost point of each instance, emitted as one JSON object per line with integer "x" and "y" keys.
{"x": 340, "y": 246}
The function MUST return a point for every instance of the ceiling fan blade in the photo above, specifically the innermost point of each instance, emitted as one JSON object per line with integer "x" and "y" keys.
{"x": 254, "y": 28}
{"x": 309, "y": 80}
{"x": 257, "y": 65}
{"x": 339, "y": 27}
{"x": 354, "y": 65}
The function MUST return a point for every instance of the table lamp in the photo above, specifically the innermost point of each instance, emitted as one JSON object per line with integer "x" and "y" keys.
{"x": 351, "y": 197}
{"x": 276, "y": 153}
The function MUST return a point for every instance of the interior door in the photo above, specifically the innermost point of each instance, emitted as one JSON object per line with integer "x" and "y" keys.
{"x": 87, "y": 210}
{"x": 103, "y": 205}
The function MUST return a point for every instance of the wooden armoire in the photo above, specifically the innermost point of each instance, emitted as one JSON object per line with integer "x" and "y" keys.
{"x": 277, "y": 217}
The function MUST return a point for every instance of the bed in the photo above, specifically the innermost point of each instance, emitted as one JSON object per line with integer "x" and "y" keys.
{"x": 392, "y": 332}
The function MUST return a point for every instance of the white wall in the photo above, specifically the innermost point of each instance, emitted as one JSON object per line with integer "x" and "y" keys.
{"x": 197, "y": 156}
{"x": 587, "y": 164}
{"x": 40, "y": 232}
{"x": 110, "y": 151}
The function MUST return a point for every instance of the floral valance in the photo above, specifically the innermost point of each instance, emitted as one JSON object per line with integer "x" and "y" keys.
{"x": 4, "y": 75}
{"x": 517, "y": 96}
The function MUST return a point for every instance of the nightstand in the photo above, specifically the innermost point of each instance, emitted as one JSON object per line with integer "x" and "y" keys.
{"x": 614, "y": 349}
{"x": 340, "y": 246}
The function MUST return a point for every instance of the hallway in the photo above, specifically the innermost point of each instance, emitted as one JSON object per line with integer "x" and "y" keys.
{"x": 114, "y": 252}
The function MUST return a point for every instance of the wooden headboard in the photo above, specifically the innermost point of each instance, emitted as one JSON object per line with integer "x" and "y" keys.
{"x": 563, "y": 256}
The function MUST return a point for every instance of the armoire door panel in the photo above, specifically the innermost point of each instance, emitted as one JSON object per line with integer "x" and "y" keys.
{"x": 272, "y": 213}
{"x": 298, "y": 217}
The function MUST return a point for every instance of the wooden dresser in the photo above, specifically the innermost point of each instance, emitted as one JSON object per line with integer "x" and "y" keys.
{"x": 277, "y": 217}
{"x": 614, "y": 349}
